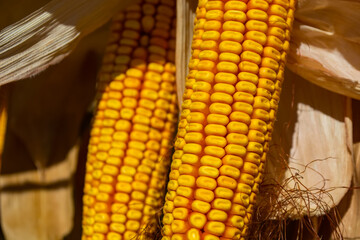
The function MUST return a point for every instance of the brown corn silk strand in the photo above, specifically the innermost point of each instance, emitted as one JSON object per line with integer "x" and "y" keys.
{"x": 229, "y": 106}
{"x": 128, "y": 154}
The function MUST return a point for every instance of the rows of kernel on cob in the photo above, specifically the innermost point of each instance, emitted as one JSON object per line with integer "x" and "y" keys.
{"x": 231, "y": 97}
{"x": 130, "y": 139}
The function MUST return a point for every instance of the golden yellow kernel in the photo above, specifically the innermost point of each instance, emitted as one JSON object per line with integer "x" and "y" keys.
{"x": 235, "y": 15}
{"x": 253, "y": 158}
{"x": 217, "y": 118}
{"x": 206, "y": 182}
{"x": 275, "y": 42}
{"x": 230, "y": 171}
{"x": 233, "y": 26}
{"x": 120, "y": 136}
{"x": 205, "y": 76}
{"x": 267, "y": 84}
{"x": 168, "y": 218}
{"x": 215, "y": 129}
{"x": 208, "y": 55}
{"x": 139, "y": 186}
{"x": 225, "y": 78}
{"x": 197, "y": 220}
{"x": 230, "y": 57}
{"x": 230, "y": 46}
{"x": 128, "y": 235}
{"x": 184, "y": 191}
{"x": 193, "y": 137}
{"x": 257, "y": 14}
{"x": 265, "y": 93}
{"x": 216, "y": 141}
{"x": 180, "y": 213}
{"x": 98, "y": 236}
{"x": 186, "y": 180}
{"x": 250, "y": 77}
{"x": 262, "y": 103}
{"x": 194, "y": 127}
{"x": 197, "y": 107}
{"x": 206, "y": 65}
{"x": 220, "y": 108}
{"x": 261, "y": 114}
{"x": 196, "y": 43}
{"x": 255, "y": 147}
{"x": 250, "y": 45}
{"x": 180, "y": 201}
{"x": 277, "y": 32}
{"x": 286, "y": 48}
{"x": 214, "y": 151}
{"x": 187, "y": 169}
{"x": 136, "y": 195}
{"x": 238, "y": 209}
{"x": 211, "y": 161}
{"x": 236, "y": 221}
{"x": 258, "y": 4}
{"x": 214, "y": 5}
{"x": 102, "y": 207}
{"x": 172, "y": 185}
{"x": 255, "y": 25}
{"x": 284, "y": 3}
{"x": 235, "y": 5}
{"x": 277, "y": 21}
{"x": 243, "y": 188}
{"x": 193, "y": 233}
{"x": 200, "y": 206}
{"x": 166, "y": 232}
{"x": 246, "y": 66}
{"x": 211, "y": 35}
{"x": 212, "y": 25}
{"x": 251, "y": 57}
{"x": 222, "y": 204}
{"x": 209, "y": 171}
{"x": 223, "y": 192}
{"x": 214, "y": 15}
{"x": 237, "y": 127}
{"x": 246, "y": 87}
{"x": 202, "y": 86}
{"x": 179, "y": 226}
{"x": 236, "y": 138}
{"x": 192, "y": 148}
{"x": 217, "y": 215}
{"x": 250, "y": 168}
{"x": 214, "y": 227}
{"x": 227, "y": 67}
{"x": 243, "y": 107}
{"x": 200, "y": 96}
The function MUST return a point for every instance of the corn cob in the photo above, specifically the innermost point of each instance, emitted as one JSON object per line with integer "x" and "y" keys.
{"x": 230, "y": 102}
{"x": 133, "y": 126}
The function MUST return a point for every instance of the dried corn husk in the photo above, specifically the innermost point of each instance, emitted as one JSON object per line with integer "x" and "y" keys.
{"x": 49, "y": 34}
{"x": 311, "y": 152}
{"x": 326, "y": 45}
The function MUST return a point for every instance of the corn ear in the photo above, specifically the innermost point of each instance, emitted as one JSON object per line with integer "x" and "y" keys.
{"x": 229, "y": 106}
{"x": 130, "y": 140}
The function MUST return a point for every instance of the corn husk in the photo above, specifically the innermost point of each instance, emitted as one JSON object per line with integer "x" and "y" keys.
{"x": 326, "y": 45}
{"x": 311, "y": 151}
{"x": 49, "y": 34}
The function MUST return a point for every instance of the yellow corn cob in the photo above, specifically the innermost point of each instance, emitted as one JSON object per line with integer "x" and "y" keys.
{"x": 230, "y": 101}
{"x": 133, "y": 126}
